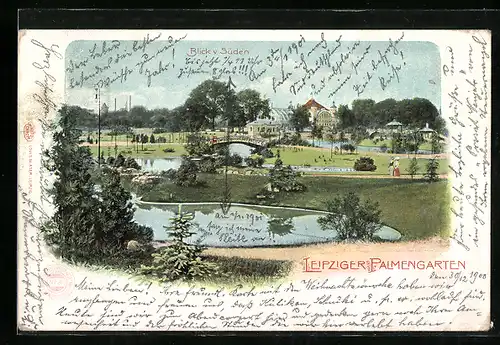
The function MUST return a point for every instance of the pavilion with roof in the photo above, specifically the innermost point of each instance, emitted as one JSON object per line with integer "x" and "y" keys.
{"x": 395, "y": 125}
{"x": 427, "y": 132}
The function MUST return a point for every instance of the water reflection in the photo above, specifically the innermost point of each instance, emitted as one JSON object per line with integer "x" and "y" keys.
{"x": 279, "y": 226}
{"x": 158, "y": 164}
{"x": 245, "y": 226}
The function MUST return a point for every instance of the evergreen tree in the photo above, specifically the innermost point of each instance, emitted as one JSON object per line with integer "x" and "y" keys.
{"x": 87, "y": 225}
{"x": 180, "y": 260}
{"x": 152, "y": 139}
{"x": 412, "y": 167}
{"x": 432, "y": 167}
{"x": 283, "y": 178}
{"x": 117, "y": 211}
{"x": 74, "y": 194}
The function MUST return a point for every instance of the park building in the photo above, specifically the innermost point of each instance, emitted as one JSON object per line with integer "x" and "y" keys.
{"x": 323, "y": 116}
{"x": 427, "y": 132}
{"x": 261, "y": 127}
{"x": 278, "y": 122}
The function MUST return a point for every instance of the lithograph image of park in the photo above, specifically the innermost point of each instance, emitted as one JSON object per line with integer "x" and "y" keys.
{"x": 231, "y": 161}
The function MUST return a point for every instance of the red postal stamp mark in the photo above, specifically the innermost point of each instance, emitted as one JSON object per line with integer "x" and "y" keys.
{"x": 59, "y": 281}
{"x": 29, "y": 131}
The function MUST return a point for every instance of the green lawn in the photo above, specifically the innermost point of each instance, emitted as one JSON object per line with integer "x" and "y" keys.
{"x": 150, "y": 150}
{"x": 321, "y": 157}
{"x": 416, "y": 209}
{"x": 369, "y": 142}
{"x": 171, "y": 137}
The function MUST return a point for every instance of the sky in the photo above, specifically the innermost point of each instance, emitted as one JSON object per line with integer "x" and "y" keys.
{"x": 156, "y": 73}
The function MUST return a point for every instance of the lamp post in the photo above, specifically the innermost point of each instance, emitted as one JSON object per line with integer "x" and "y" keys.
{"x": 98, "y": 98}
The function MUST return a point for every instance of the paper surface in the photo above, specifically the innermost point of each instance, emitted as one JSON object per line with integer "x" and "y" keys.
{"x": 426, "y": 266}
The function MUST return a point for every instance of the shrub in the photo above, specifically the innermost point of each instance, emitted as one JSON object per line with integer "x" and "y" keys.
{"x": 168, "y": 150}
{"x": 267, "y": 135}
{"x": 266, "y": 153}
{"x": 131, "y": 163}
{"x": 283, "y": 178}
{"x": 170, "y": 174}
{"x": 352, "y": 219}
{"x": 186, "y": 175}
{"x": 208, "y": 165}
{"x": 197, "y": 145}
{"x": 235, "y": 160}
{"x": 383, "y": 147}
{"x": 254, "y": 162}
{"x": 119, "y": 161}
{"x": 294, "y": 139}
{"x": 249, "y": 161}
{"x": 365, "y": 164}
{"x": 348, "y": 147}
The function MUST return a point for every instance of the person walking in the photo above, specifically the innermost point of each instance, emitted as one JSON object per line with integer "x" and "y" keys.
{"x": 396, "y": 167}
{"x": 391, "y": 167}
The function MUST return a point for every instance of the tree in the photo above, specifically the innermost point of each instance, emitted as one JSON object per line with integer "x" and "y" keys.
{"x": 417, "y": 112}
{"x": 180, "y": 260}
{"x": 252, "y": 106}
{"x": 342, "y": 139}
{"x": 152, "y": 139}
{"x": 331, "y": 136}
{"x": 412, "y": 141}
{"x": 412, "y": 167}
{"x": 362, "y": 110}
{"x": 186, "y": 175}
{"x": 87, "y": 225}
{"x": 317, "y": 131}
{"x": 299, "y": 118}
{"x": 197, "y": 145}
{"x": 73, "y": 191}
{"x": 117, "y": 212}
{"x": 436, "y": 146}
{"x": 208, "y": 102}
{"x": 358, "y": 134}
{"x": 350, "y": 218}
{"x": 384, "y": 112}
{"x": 144, "y": 140}
{"x": 397, "y": 143}
{"x": 119, "y": 161}
{"x": 431, "y": 174}
{"x": 346, "y": 117}
{"x": 283, "y": 178}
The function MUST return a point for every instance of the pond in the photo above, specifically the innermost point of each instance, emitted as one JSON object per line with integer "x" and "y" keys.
{"x": 162, "y": 164}
{"x": 245, "y": 225}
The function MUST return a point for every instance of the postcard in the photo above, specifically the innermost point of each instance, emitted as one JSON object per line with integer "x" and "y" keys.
{"x": 249, "y": 180}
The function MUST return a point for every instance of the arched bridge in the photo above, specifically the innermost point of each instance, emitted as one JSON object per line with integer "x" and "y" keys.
{"x": 239, "y": 139}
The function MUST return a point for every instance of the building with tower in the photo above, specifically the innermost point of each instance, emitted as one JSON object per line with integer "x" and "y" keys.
{"x": 323, "y": 116}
